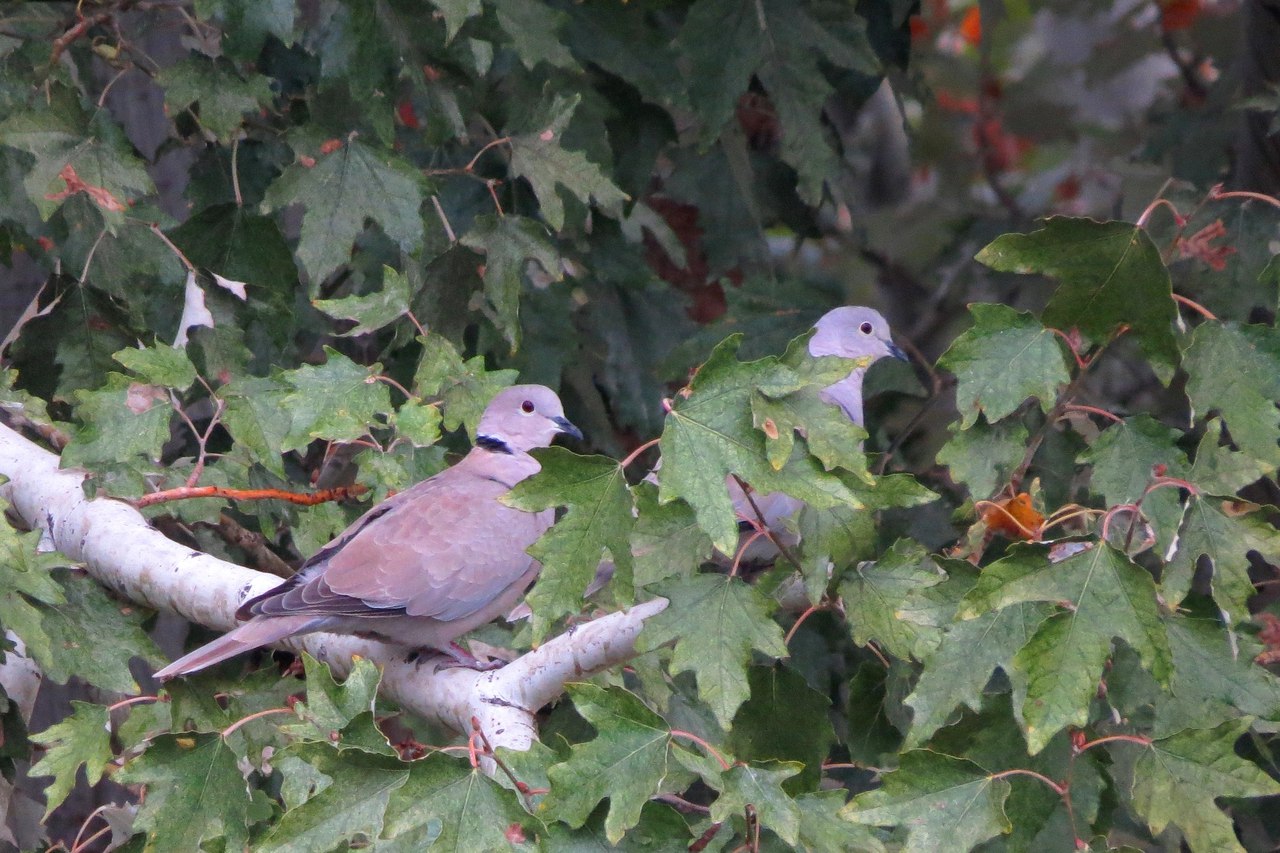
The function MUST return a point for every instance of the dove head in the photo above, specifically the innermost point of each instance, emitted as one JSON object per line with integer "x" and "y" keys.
{"x": 853, "y": 332}
{"x": 523, "y": 417}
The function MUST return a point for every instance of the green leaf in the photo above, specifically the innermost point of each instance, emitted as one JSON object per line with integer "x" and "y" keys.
{"x": 474, "y": 812}
{"x": 340, "y": 192}
{"x": 984, "y": 456}
{"x": 1218, "y": 470}
{"x": 945, "y": 803}
{"x": 626, "y": 762}
{"x": 829, "y": 434}
{"x": 123, "y": 420}
{"x": 235, "y": 243}
{"x": 1006, "y": 357}
{"x": 666, "y": 540}
{"x": 884, "y": 604}
{"x": 465, "y": 387}
{"x": 970, "y": 651}
{"x": 456, "y": 13}
{"x": 257, "y": 418}
{"x": 1213, "y": 680}
{"x": 418, "y": 422}
{"x": 760, "y": 786}
{"x": 534, "y": 29}
{"x": 1217, "y": 530}
{"x": 338, "y": 400}
{"x": 371, "y": 311}
{"x": 1235, "y": 370}
{"x": 1123, "y": 458}
{"x": 1109, "y": 596}
{"x": 716, "y": 622}
{"x": 222, "y": 95}
{"x": 195, "y": 793}
{"x": 352, "y": 804}
{"x": 1110, "y": 274}
{"x": 331, "y": 707}
{"x": 709, "y": 435}
{"x": 159, "y": 365}
{"x": 509, "y": 244}
{"x": 779, "y": 693}
{"x": 539, "y": 159}
{"x": 81, "y": 738}
{"x": 600, "y": 515}
{"x": 87, "y": 621}
{"x": 68, "y": 147}
{"x": 1177, "y": 780}
{"x": 822, "y": 829}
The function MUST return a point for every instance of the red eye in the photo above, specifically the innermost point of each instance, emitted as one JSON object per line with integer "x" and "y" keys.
{"x": 865, "y": 328}
{"x": 527, "y": 407}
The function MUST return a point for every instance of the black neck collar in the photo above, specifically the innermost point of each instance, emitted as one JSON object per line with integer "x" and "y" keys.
{"x": 491, "y": 444}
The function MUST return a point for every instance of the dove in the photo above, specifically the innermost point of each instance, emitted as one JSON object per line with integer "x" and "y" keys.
{"x": 427, "y": 565}
{"x": 849, "y": 332}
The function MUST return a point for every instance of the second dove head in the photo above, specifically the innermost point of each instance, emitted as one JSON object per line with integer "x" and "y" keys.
{"x": 854, "y": 332}
{"x": 524, "y": 417}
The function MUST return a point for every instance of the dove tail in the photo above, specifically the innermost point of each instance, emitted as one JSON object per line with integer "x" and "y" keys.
{"x": 250, "y": 635}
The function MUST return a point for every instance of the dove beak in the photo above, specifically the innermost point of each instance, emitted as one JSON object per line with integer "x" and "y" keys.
{"x": 567, "y": 428}
{"x": 897, "y": 352}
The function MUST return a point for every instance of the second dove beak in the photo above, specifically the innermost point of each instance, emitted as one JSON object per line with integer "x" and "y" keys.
{"x": 897, "y": 352}
{"x": 567, "y": 428}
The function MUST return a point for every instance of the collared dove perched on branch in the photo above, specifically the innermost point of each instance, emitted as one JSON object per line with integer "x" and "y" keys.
{"x": 427, "y": 565}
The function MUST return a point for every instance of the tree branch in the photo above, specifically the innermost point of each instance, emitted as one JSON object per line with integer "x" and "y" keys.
{"x": 125, "y": 553}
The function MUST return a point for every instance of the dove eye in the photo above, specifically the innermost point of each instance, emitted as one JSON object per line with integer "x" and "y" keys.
{"x": 527, "y": 407}
{"x": 865, "y": 328}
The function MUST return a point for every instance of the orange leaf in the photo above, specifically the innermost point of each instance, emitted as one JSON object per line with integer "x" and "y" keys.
{"x": 1014, "y": 518}
{"x": 100, "y": 195}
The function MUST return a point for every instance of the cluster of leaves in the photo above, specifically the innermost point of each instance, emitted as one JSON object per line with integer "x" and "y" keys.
{"x": 387, "y": 211}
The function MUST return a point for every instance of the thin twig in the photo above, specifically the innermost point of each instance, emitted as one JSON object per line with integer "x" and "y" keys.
{"x": 759, "y": 524}
{"x": 155, "y": 229}
{"x": 1138, "y": 739}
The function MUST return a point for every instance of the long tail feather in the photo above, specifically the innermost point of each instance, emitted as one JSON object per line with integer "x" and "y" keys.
{"x": 250, "y": 635}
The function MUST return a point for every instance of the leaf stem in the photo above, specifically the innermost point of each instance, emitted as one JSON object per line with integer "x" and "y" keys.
{"x": 633, "y": 455}
{"x": 1141, "y": 740}
{"x": 1060, "y": 790}
{"x": 691, "y": 737}
{"x": 254, "y": 716}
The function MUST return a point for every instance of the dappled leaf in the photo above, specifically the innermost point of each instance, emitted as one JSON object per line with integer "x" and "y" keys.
{"x": 1235, "y": 371}
{"x": 759, "y": 785}
{"x": 1214, "y": 529}
{"x": 371, "y": 311}
{"x": 81, "y": 739}
{"x": 509, "y": 244}
{"x": 1006, "y": 357}
{"x": 882, "y": 601}
{"x": 338, "y": 401}
{"x": 472, "y": 810}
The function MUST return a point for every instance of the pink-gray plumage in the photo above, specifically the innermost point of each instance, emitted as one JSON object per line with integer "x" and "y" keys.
{"x": 427, "y": 565}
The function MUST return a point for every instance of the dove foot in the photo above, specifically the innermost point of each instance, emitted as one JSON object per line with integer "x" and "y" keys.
{"x": 454, "y": 656}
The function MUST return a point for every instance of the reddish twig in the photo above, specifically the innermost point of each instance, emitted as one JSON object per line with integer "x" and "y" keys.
{"x": 185, "y": 493}
{"x": 1195, "y": 306}
{"x": 1094, "y": 410}
{"x": 692, "y": 738}
{"x": 786, "y": 641}
{"x": 1217, "y": 193}
{"x": 1138, "y": 739}
{"x": 632, "y": 456}
{"x": 270, "y": 712}
{"x": 1060, "y": 790}
{"x": 742, "y": 549}
{"x": 523, "y": 788}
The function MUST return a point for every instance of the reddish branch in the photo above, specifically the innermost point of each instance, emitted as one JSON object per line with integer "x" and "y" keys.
{"x": 186, "y": 492}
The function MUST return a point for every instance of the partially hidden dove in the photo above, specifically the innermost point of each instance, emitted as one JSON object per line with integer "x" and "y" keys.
{"x": 426, "y": 565}
{"x": 849, "y": 332}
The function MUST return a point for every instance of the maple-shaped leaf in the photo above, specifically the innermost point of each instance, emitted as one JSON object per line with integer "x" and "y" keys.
{"x": 984, "y": 456}
{"x": 1214, "y": 679}
{"x": 418, "y": 422}
{"x": 1124, "y": 457}
{"x": 123, "y": 420}
{"x": 71, "y": 151}
{"x": 82, "y": 738}
{"x": 710, "y": 434}
{"x": 222, "y": 94}
{"x": 626, "y": 762}
{"x": 1177, "y": 780}
{"x": 340, "y": 191}
{"x": 1004, "y": 358}
{"x": 1110, "y": 274}
{"x": 1224, "y": 533}
{"x": 970, "y": 651}
{"x": 666, "y": 539}
{"x": 465, "y": 387}
{"x": 716, "y": 621}
{"x": 599, "y": 519}
{"x": 1219, "y": 470}
{"x": 371, "y": 311}
{"x": 258, "y": 419}
{"x": 539, "y": 158}
{"x": 780, "y": 693}
{"x": 945, "y": 803}
{"x": 159, "y": 365}
{"x": 535, "y": 32}
{"x": 351, "y": 803}
{"x": 509, "y": 245}
{"x": 331, "y": 712}
{"x": 1109, "y": 597}
{"x": 822, "y": 828}
{"x": 473, "y": 811}
{"x": 1235, "y": 371}
{"x": 883, "y": 601}
{"x": 338, "y": 400}
{"x": 759, "y": 785}
{"x": 195, "y": 792}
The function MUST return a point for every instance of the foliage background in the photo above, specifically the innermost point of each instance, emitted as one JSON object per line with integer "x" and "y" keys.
{"x": 225, "y": 224}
